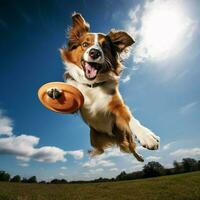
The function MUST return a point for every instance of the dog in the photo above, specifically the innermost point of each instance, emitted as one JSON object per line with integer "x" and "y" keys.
{"x": 93, "y": 65}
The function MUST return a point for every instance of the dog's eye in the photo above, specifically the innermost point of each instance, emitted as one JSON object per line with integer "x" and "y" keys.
{"x": 85, "y": 44}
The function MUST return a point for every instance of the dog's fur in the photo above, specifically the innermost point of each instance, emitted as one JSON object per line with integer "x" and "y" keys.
{"x": 97, "y": 77}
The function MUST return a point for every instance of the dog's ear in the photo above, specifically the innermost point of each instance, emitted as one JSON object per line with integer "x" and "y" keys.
{"x": 121, "y": 40}
{"x": 78, "y": 29}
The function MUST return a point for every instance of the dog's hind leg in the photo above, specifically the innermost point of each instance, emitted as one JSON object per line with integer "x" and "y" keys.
{"x": 100, "y": 141}
{"x": 126, "y": 143}
{"x": 121, "y": 127}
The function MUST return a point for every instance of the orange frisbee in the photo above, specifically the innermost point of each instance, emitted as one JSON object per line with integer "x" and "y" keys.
{"x": 60, "y": 97}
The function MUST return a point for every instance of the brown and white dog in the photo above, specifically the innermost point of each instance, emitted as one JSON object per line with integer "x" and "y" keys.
{"x": 93, "y": 65}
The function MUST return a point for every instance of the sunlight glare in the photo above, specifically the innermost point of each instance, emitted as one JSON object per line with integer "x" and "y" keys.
{"x": 163, "y": 30}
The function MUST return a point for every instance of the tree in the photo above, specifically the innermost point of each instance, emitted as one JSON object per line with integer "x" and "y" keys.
{"x": 42, "y": 182}
{"x": 189, "y": 164}
{"x": 54, "y": 181}
{"x": 32, "y": 179}
{"x": 198, "y": 165}
{"x": 169, "y": 171}
{"x": 178, "y": 167}
{"x": 63, "y": 181}
{"x": 136, "y": 175}
{"x": 16, "y": 179}
{"x": 58, "y": 181}
{"x": 4, "y": 176}
{"x": 24, "y": 180}
{"x": 152, "y": 169}
{"x": 121, "y": 176}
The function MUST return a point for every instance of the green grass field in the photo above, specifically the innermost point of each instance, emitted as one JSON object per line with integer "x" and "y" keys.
{"x": 181, "y": 186}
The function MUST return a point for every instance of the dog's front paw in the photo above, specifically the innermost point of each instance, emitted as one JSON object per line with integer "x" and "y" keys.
{"x": 149, "y": 140}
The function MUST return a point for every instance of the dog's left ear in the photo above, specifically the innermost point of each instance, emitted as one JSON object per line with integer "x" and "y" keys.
{"x": 121, "y": 40}
{"x": 78, "y": 29}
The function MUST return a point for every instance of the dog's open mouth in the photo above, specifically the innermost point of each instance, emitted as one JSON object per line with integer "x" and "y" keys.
{"x": 91, "y": 69}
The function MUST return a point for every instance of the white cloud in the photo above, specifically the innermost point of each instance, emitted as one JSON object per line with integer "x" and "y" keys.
{"x": 126, "y": 79}
{"x": 161, "y": 29}
{"x": 51, "y": 178}
{"x": 134, "y": 19}
{"x": 25, "y": 159}
{"x": 188, "y": 107}
{"x": 63, "y": 168}
{"x": 23, "y": 147}
{"x": 135, "y": 68}
{"x": 49, "y": 154}
{"x": 133, "y": 14}
{"x": 167, "y": 146}
{"x": 77, "y": 154}
{"x": 23, "y": 164}
{"x": 190, "y": 152}
{"x": 6, "y": 125}
{"x": 61, "y": 174}
{"x": 108, "y": 154}
{"x": 114, "y": 169}
{"x": 93, "y": 173}
{"x": 135, "y": 161}
{"x": 153, "y": 158}
{"x": 138, "y": 167}
{"x": 96, "y": 162}
{"x": 169, "y": 165}
{"x": 106, "y": 163}
{"x": 134, "y": 167}
{"x": 112, "y": 152}
{"x": 103, "y": 160}
{"x": 96, "y": 171}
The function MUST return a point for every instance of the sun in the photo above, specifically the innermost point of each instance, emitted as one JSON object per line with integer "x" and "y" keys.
{"x": 164, "y": 30}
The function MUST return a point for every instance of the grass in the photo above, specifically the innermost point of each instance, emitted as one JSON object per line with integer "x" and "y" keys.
{"x": 175, "y": 187}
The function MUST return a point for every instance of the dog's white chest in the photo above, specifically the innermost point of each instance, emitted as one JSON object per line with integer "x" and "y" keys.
{"x": 95, "y": 110}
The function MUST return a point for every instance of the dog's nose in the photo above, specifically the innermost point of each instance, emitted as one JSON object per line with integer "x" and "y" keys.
{"x": 94, "y": 53}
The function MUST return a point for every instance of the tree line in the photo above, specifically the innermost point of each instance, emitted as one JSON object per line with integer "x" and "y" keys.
{"x": 151, "y": 169}
{"x": 154, "y": 169}
{"x": 4, "y": 176}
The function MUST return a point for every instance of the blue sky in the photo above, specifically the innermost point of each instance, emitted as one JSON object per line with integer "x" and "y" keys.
{"x": 160, "y": 84}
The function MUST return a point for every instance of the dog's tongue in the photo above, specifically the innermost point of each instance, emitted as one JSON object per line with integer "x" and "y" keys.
{"x": 90, "y": 71}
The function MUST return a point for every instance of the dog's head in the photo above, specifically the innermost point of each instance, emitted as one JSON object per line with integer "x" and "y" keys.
{"x": 93, "y": 57}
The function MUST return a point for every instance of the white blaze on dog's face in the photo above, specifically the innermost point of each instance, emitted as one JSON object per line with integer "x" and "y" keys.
{"x": 93, "y": 56}
{"x": 90, "y": 56}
